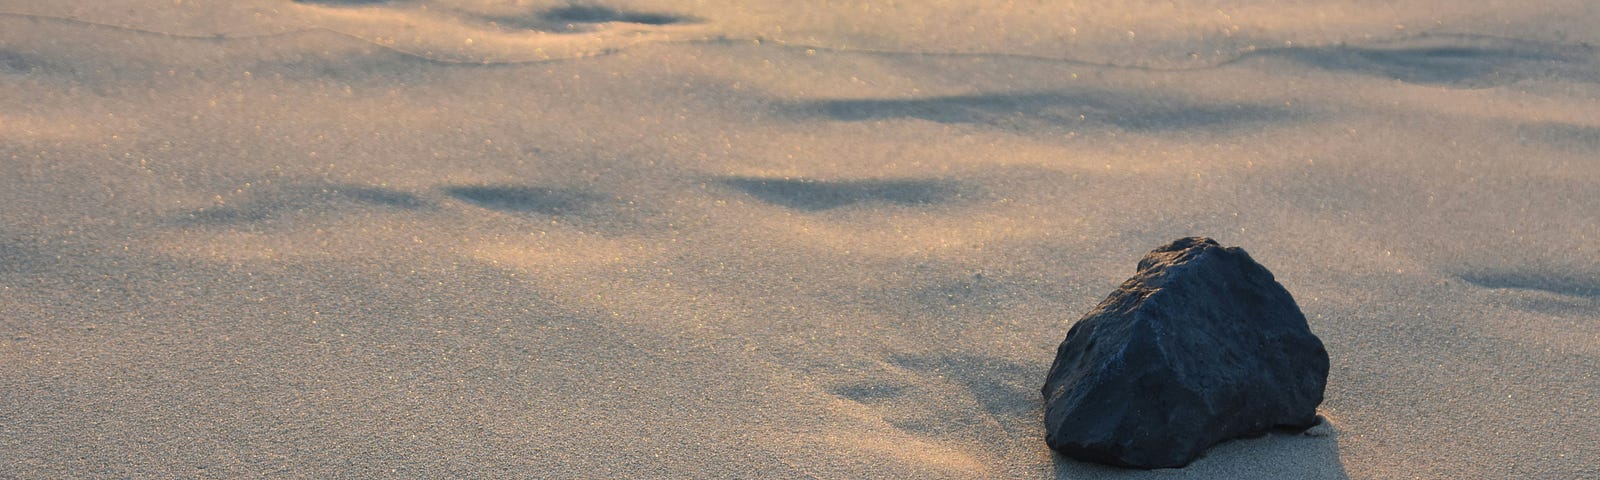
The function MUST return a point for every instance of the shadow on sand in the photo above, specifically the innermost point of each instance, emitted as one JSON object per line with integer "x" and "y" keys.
{"x": 578, "y": 13}
{"x": 342, "y": 2}
{"x": 272, "y": 202}
{"x": 1566, "y": 285}
{"x": 817, "y": 195}
{"x": 1562, "y": 135}
{"x": 1004, "y": 388}
{"x": 1449, "y": 60}
{"x": 1060, "y": 109}
{"x": 587, "y": 211}
{"x": 1009, "y": 393}
{"x": 1271, "y": 457}
{"x": 525, "y": 199}
{"x": 579, "y": 17}
{"x": 18, "y": 62}
{"x": 18, "y": 258}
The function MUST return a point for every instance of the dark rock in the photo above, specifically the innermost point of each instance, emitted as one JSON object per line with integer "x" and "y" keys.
{"x": 1202, "y": 345}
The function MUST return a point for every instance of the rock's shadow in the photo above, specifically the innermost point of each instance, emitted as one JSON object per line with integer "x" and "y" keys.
{"x": 1059, "y": 109}
{"x": 1271, "y": 457}
{"x": 818, "y": 195}
{"x": 1004, "y": 388}
{"x": 1009, "y": 393}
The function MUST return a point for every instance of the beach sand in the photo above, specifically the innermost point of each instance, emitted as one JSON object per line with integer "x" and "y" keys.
{"x": 679, "y": 239}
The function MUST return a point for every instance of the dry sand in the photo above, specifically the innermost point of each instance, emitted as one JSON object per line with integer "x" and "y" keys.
{"x": 798, "y": 239}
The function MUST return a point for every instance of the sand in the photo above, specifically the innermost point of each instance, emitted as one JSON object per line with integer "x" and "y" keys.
{"x": 677, "y": 239}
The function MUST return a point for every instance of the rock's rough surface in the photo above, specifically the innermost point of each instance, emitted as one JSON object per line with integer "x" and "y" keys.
{"x": 1202, "y": 345}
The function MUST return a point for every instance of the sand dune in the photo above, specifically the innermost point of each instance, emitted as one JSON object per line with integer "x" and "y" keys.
{"x": 525, "y": 239}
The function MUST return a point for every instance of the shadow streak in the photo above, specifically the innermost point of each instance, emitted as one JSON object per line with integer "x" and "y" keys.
{"x": 578, "y": 13}
{"x": 12, "y": 61}
{"x": 56, "y": 68}
{"x": 1564, "y": 135}
{"x": 1081, "y": 110}
{"x": 306, "y": 198}
{"x": 524, "y": 199}
{"x": 19, "y": 258}
{"x": 1587, "y": 286}
{"x": 355, "y": 69}
{"x": 578, "y": 17}
{"x": 818, "y": 195}
{"x": 1458, "y": 61}
{"x": 342, "y": 2}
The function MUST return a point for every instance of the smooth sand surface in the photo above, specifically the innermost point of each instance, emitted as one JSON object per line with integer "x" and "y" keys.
{"x": 798, "y": 239}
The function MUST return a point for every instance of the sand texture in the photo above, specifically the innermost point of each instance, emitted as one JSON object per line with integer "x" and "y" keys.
{"x": 796, "y": 239}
